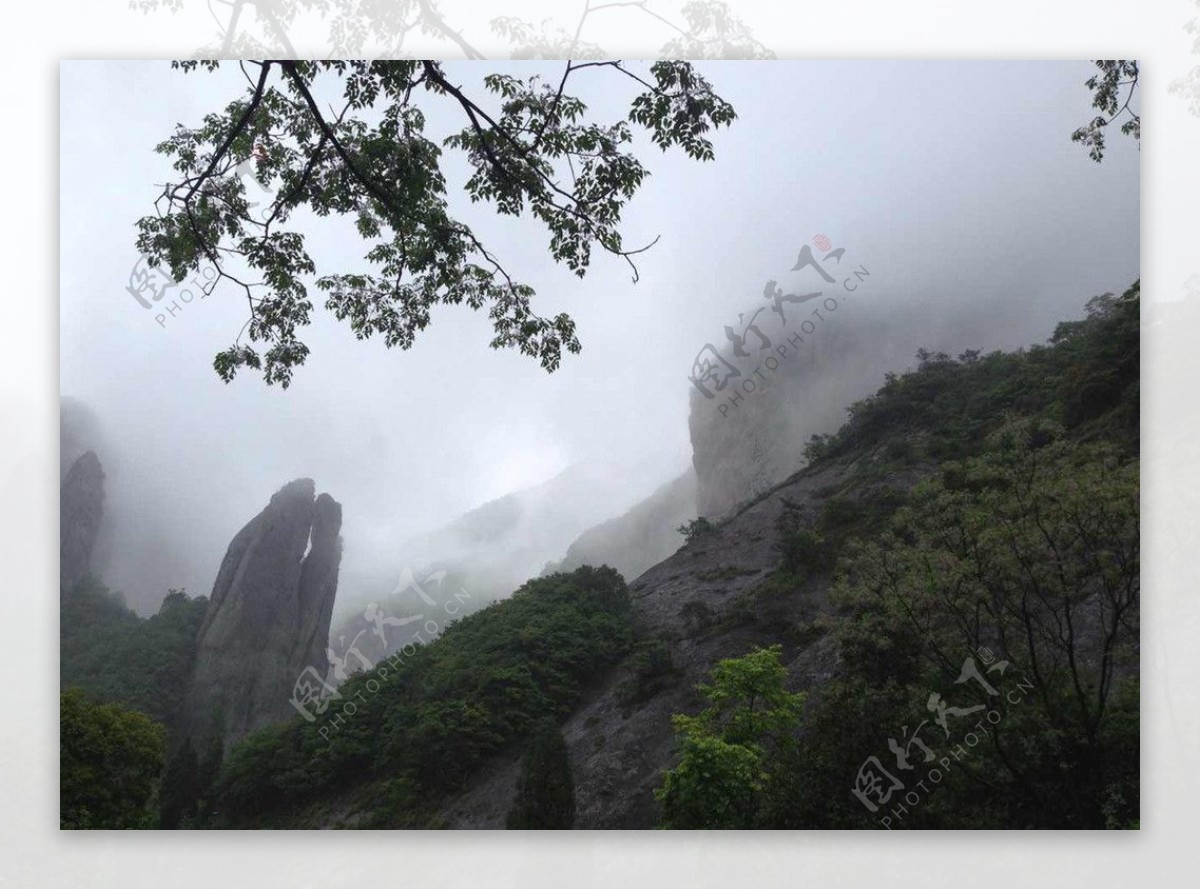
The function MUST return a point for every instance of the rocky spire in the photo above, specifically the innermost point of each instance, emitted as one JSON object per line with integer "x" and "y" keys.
{"x": 268, "y": 617}
{"x": 81, "y": 507}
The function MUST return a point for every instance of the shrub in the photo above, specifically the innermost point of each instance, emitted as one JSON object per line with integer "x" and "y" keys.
{"x": 109, "y": 762}
{"x": 694, "y": 529}
{"x": 651, "y": 668}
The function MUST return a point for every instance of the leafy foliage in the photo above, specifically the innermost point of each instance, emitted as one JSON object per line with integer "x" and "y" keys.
{"x": 1024, "y": 541}
{"x": 695, "y": 529}
{"x": 1111, "y": 98}
{"x": 1022, "y": 538}
{"x": 729, "y": 751}
{"x": 483, "y": 685}
{"x": 539, "y": 155}
{"x": 813, "y": 548}
{"x": 1086, "y": 380}
{"x": 109, "y": 763}
{"x": 1030, "y": 551}
{"x": 115, "y": 656}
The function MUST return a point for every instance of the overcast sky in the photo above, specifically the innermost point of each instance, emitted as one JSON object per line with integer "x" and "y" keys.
{"x": 956, "y": 181}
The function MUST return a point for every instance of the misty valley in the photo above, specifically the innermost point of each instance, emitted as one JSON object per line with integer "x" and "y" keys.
{"x": 471, "y": 492}
{"x": 747, "y": 667}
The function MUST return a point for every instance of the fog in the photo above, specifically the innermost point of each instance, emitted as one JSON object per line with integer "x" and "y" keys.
{"x": 956, "y": 183}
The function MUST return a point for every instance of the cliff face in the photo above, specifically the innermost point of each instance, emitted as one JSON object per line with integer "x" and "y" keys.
{"x": 751, "y": 434}
{"x": 81, "y": 508}
{"x": 268, "y": 617}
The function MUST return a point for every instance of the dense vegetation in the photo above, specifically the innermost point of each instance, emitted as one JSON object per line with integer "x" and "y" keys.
{"x": 124, "y": 678}
{"x": 416, "y": 736}
{"x": 1086, "y": 379}
{"x": 732, "y": 750}
{"x": 109, "y": 762}
{"x": 977, "y": 571}
{"x": 118, "y": 657}
{"x": 545, "y": 795}
{"x": 1001, "y": 585}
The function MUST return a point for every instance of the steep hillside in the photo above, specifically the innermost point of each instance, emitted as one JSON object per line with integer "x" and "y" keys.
{"x": 115, "y": 656}
{"x": 963, "y": 512}
{"x": 765, "y": 576}
{"x": 751, "y": 434}
{"x": 702, "y": 604}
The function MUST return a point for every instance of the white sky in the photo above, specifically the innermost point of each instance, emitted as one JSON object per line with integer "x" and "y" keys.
{"x": 956, "y": 180}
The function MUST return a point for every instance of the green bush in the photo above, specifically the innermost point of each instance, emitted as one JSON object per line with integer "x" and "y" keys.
{"x": 651, "y": 668}
{"x": 729, "y": 752}
{"x": 695, "y": 529}
{"x": 485, "y": 684}
{"x": 109, "y": 763}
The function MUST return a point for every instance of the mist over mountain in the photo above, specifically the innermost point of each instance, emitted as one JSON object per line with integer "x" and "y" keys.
{"x": 997, "y": 227}
{"x": 869, "y": 408}
{"x": 492, "y": 549}
{"x": 637, "y": 539}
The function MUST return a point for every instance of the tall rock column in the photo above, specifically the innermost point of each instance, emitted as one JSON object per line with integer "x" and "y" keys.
{"x": 81, "y": 508}
{"x": 268, "y": 617}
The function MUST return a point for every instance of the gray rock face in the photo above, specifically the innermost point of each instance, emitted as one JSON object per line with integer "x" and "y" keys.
{"x": 81, "y": 508}
{"x": 751, "y": 436}
{"x": 78, "y": 431}
{"x": 268, "y": 617}
{"x": 618, "y": 752}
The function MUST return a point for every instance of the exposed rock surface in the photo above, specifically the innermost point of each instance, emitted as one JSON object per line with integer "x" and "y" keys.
{"x": 78, "y": 431}
{"x": 618, "y": 751}
{"x": 268, "y": 616}
{"x": 81, "y": 509}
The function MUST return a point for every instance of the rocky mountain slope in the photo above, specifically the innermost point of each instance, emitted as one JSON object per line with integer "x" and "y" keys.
{"x": 701, "y": 604}
{"x": 750, "y": 435}
{"x": 895, "y": 512}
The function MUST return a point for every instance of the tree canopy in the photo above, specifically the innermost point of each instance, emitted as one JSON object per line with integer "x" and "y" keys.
{"x": 1114, "y": 88}
{"x": 730, "y": 750}
{"x": 537, "y": 152}
{"x": 109, "y": 762}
